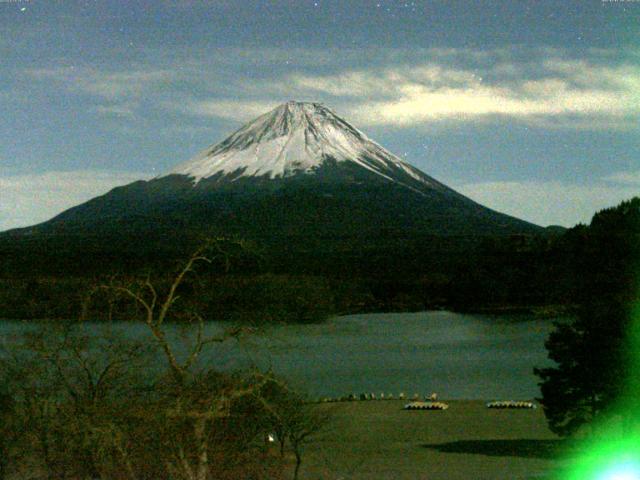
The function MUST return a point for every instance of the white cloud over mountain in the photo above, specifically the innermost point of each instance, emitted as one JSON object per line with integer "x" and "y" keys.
{"x": 548, "y": 89}
{"x": 563, "y": 93}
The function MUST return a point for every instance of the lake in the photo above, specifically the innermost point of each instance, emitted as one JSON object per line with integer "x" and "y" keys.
{"x": 456, "y": 355}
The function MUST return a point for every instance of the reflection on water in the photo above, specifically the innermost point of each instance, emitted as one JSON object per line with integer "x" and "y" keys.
{"x": 458, "y": 356}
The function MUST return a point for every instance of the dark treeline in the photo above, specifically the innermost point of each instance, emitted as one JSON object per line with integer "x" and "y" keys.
{"x": 302, "y": 280}
{"x": 497, "y": 273}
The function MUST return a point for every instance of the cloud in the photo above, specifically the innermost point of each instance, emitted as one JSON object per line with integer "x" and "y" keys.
{"x": 417, "y": 95}
{"x": 547, "y": 203}
{"x": 119, "y": 92}
{"x": 548, "y": 91}
{"x": 538, "y": 87}
{"x": 111, "y": 85}
{"x": 117, "y": 109}
{"x": 625, "y": 178}
{"x": 239, "y": 110}
{"x": 34, "y": 198}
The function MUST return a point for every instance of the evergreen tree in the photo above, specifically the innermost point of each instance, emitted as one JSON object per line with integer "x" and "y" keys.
{"x": 592, "y": 353}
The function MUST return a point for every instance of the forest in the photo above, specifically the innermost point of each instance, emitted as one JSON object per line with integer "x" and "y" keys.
{"x": 542, "y": 274}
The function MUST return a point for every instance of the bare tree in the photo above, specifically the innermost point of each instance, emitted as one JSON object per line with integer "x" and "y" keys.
{"x": 88, "y": 408}
{"x": 292, "y": 419}
{"x": 189, "y": 463}
{"x": 303, "y": 424}
{"x": 67, "y": 386}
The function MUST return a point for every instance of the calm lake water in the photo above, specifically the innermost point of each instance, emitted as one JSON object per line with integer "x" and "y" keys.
{"x": 455, "y": 355}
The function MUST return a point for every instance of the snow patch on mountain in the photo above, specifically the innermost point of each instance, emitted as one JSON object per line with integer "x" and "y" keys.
{"x": 296, "y": 138}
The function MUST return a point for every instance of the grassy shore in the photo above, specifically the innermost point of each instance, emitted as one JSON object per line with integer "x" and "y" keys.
{"x": 380, "y": 440}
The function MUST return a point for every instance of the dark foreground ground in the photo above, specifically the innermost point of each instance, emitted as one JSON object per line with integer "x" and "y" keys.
{"x": 379, "y": 440}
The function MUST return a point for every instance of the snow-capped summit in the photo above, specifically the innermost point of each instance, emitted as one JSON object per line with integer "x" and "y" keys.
{"x": 298, "y": 138}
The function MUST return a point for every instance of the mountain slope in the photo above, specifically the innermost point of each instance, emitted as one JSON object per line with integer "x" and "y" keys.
{"x": 298, "y": 180}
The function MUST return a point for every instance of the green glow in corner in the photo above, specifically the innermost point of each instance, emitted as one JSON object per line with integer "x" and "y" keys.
{"x": 614, "y": 453}
{"x": 624, "y": 472}
{"x": 609, "y": 460}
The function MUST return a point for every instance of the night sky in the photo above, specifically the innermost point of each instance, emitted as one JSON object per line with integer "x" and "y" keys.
{"x": 531, "y": 108}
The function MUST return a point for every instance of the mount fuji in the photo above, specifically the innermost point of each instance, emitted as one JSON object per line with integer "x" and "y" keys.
{"x": 297, "y": 139}
{"x": 298, "y": 180}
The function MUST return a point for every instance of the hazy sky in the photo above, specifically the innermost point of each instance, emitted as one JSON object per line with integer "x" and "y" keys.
{"x": 531, "y": 108}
